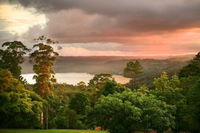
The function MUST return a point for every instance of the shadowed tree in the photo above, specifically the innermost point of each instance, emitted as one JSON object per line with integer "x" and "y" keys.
{"x": 20, "y": 108}
{"x": 43, "y": 58}
{"x": 99, "y": 80}
{"x": 12, "y": 56}
{"x": 97, "y": 83}
{"x": 192, "y": 69}
{"x": 111, "y": 87}
{"x": 82, "y": 86}
{"x": 79, "y": 102}
{"x": 132, "y": 69}
{"x": 193, "y": 107}
{"x": 190, "y": 81}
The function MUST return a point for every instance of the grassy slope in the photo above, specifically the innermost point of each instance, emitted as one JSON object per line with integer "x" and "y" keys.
{"x": 48, "y": 131}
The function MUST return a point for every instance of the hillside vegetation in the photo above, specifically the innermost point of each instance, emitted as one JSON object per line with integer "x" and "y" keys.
{"x": 113, "y": 65}
{"x": 167, "y": 102}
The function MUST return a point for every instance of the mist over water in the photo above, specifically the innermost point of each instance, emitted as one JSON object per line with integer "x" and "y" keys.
{"x": 74, "y": 78}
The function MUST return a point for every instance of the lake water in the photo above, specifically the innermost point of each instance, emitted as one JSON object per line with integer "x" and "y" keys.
{"x": 74, "y": 78}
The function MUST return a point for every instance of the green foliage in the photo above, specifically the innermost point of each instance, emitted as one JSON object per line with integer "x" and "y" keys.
{"x": 130, "y": 111}
{"x": 97, "y": 83}
{"x": 163, "y": 83}
{"x": 43, "y": 58}
{"x": 12, "y": 56}
{"x": 99, "y": 80}
{"x": 171, "y": 102}
{"x": 193, "y": 107}
{"x": 49, "y": 131}
{"x": 66, "y": 119}
{"x": 82, "y": 86}
{"x": 190, "y": 82}
{"x": 192, "y": 69}
{"x": 57, "y": 104}
{"x": 132, "y": 69}
{"x": 79, "y": 103}
{"x": 169, "y": 90}
{"x": 111, "y": 87}
{"x": 60, "y": 115}
{"x": 191, "y": 86}
{"x": 20, "y": 108}
{"x": 6, "y": 79}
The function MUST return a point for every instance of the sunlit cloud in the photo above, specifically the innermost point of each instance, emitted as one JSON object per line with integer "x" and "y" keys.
{"x": 16, "y": 19}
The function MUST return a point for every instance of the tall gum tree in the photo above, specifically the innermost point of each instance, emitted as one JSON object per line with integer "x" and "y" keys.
{"x": 43, "y": 58}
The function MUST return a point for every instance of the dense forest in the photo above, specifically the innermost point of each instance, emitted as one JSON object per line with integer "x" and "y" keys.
{"x": 167, "y": 102}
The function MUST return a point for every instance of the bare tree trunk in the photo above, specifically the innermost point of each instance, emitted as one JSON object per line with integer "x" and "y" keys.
{"x": 42, "y": 119}
{"x": 45, "y": 120}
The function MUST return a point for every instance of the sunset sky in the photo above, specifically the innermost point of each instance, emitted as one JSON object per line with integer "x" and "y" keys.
{"x": 105, "y": 27}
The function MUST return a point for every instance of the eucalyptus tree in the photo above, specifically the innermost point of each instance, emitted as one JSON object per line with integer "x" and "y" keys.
{"x": 43, "y": 58}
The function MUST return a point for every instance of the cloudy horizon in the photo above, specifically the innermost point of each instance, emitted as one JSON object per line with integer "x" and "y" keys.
{"x": 106, "y": 27}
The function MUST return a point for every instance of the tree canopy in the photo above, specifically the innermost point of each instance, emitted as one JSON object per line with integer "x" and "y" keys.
{"x": 192, "y": 69}
{"x": 130, "y": 111}
{"x": 12, "y": 56}
{"x": 43, "y": 58}
{"x": 132, "y": 69}
{"x": 20, "y": 108}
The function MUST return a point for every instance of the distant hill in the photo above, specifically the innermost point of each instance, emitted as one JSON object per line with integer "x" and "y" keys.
{"x": 112, "y": 64}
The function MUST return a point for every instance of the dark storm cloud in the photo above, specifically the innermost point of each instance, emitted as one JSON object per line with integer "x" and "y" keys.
{"x": 120, "y": 21}
{"x": 135, "y": 15}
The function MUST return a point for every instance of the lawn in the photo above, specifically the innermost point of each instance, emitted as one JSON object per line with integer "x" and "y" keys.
{"x": 48, "y": 131}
